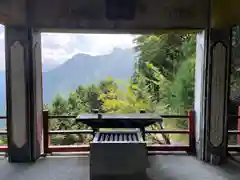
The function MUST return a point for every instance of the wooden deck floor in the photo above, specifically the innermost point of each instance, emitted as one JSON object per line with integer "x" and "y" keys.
{"x": 162, "y": 167}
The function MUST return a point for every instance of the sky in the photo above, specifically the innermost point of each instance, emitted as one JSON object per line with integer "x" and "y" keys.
{"x": 59, "y": 47}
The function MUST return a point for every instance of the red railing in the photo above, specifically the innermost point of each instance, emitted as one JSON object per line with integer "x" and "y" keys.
{"x": 190, "y": 148}
{"x": 235, "y": 148}
{"x": 48, "y": 148}
{"x": 3, "y": 148}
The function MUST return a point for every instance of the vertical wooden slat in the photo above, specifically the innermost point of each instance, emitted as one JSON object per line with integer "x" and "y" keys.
{"x": 238, "y": 136}
{"x": 45, "y": 132}
{"x": 192, "y": 139}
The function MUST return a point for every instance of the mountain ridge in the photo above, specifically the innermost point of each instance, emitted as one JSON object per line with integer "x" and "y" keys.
{"x": 81, "y": 69}
{"x": 85, "y": 69}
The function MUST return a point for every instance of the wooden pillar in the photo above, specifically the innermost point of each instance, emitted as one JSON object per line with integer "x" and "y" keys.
{"x": 219, "y": 60}
{"x": 211, "y": 96}
{"x": 24, "y": 93}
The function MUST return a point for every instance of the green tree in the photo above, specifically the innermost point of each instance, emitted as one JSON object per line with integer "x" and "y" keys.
{"x": 165, "y": 51}
{"x": 60, "y": 106}
{"x": 182, "y": 89}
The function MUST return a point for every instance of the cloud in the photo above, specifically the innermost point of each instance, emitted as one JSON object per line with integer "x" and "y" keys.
{"x": 59, "y": 47}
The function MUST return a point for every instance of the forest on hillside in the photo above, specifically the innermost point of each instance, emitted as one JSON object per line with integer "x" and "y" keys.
{"x": 163, "y": 83}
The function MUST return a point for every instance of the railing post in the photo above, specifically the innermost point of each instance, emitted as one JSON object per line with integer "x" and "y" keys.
{"x": 238, "y": 125}
{"x": 45, "y": 132}
{"x": 192, "y": 138}
{"x": 142, "y": 111}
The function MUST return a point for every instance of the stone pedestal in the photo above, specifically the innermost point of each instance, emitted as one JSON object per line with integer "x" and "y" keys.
{"x": 118, "y": 159}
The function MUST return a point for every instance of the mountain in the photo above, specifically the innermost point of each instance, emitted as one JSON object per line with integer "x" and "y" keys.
{"x": 81, "y": 69}
{"x": 84, "y": 69}
{"x": 48, "y": 67}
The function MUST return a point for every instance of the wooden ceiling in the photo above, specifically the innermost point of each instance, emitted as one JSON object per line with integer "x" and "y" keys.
{"x": 98, "y": 15}
{"x": 143, "y": 15}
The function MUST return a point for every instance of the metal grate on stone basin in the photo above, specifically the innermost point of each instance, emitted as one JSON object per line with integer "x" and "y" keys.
{"x": 118, "y": 137}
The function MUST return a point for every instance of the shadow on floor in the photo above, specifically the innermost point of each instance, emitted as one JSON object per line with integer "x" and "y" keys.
{"x": 172, "y": 167}
{"x": 231, "y": 168}
{"x": 162, "y": 167}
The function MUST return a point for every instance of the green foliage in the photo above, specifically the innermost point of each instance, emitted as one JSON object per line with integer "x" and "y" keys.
{"x": 163, "y": 82}
{"x": 235, "y": 69}
{"x": 125, "y": 101}
{"x": 72, "y": 106}
{"x": 167, "y": 65}
{"x": 165, "y": 51}
{"x": 182, "y": 89}
{"x": 59, "y": 106}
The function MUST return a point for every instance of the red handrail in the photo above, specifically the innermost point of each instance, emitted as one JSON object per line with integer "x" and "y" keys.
{"x": 81, "y": 148}
{"x": 191, "y": 127}
{"x": 48, "y": 148}
{"x": 189, "y": 148}
{"x": 3, "y": 148}
{"x": 235, "y": 132}
{"x": 45, "y": 132}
